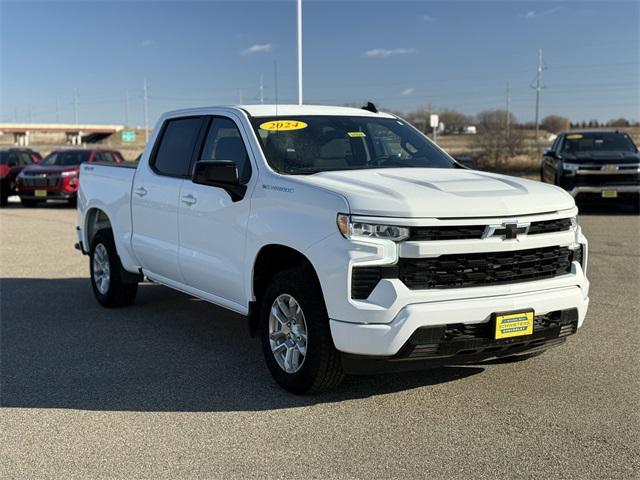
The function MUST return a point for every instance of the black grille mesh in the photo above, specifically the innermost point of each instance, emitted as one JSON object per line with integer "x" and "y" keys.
{"x": 478, "y": 269}
{"x": 469, "y": 232}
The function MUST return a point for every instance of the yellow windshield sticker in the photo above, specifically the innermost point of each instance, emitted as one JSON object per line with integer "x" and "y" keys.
{"x": 574, "y": 136}
{"x": 283, "y": 125}
{"x": 356, "y": 134}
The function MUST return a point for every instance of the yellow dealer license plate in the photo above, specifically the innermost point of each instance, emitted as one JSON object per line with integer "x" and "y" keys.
{"x": 41, "y": 193}
{"x": 609, "y": 194}
{"x": 514, "y": 324}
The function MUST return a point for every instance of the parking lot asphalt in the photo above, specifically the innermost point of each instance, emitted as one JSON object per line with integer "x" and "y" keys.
{"x": 173, "y": 387}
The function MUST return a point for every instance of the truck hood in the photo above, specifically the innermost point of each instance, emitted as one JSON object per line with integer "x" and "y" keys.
{"x": 440, "y": 193}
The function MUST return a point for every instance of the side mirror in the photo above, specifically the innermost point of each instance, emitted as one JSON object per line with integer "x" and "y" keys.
{"x": 222, "y": 174}
{"x": 548, "y": 152}
{"x": 467, "y": 162}
{"x": 12, "y": 163}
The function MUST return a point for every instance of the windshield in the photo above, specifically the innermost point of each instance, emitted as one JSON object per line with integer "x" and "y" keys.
{"x": 597, "y": 141}
{"x": 4, "y": 157}
{"x": 312, "y": 144}
{"x": 66, "y": 158}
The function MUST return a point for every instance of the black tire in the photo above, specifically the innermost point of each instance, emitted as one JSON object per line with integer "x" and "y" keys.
{"x": 118, "y": 293}
{"x": 321, "y": 369}
{"x": 28, "y": 203}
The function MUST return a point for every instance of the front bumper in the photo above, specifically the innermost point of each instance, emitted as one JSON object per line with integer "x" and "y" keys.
{"x": 51, "y": 195}
{"x": 598, "y": 189}
{"x": 460, "y": 344}
{"x": 386, "y": 340}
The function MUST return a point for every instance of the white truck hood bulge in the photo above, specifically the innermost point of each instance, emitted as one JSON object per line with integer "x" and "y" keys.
{"x": 440, "y": 193}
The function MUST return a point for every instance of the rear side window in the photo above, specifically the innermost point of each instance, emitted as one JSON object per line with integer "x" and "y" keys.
{"x": 105, "y": 157}
{"x": 174, "y": 152}
{"x": 225, "y": 143}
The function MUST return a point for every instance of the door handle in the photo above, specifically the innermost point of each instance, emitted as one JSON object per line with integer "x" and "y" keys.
{"x": 140, "y": 191}
{"x": 189, "y": 199}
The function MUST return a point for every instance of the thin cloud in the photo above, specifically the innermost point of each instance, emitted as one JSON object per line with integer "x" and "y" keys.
{"x": 532, "y": 14}
{"x": 147, "y": 43}
{"x": 427, "y": 18}
{"x": 388, "y": 52}
{"x": 408, "y": 91}
{"x": 258, "y": 48}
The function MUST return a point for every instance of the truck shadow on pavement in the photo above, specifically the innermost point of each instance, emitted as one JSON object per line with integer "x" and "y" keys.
{"x": 167, "y": 352}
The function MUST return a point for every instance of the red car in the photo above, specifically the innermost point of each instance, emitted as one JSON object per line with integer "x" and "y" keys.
{"x": 56, "y": 177}
{"x": 12, "y": 161}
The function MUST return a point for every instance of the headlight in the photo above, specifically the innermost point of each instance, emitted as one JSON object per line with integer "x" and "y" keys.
{"x": 353, "y": 228}
{"x": 72, "y": 173}
{"x": 570, "y": 167}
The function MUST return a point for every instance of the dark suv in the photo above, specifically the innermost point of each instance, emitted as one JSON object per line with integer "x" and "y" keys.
{"x": 12, "y": 161}
{"x": 597, "y": 164}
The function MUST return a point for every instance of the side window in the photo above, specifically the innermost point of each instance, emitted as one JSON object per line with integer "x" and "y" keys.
{"x": 106, "y": 157}
{"x": 25, "y": 159}
{"x": 173, "y": 153}
{"x": 224, "y": 142}
{"x": 13, "y": 160}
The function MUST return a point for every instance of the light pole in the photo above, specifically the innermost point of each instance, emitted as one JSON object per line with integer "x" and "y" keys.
{"x": 299, "y": 52}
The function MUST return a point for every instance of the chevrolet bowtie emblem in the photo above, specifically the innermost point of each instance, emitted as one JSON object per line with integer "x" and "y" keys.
{"x": 509, "y": 230}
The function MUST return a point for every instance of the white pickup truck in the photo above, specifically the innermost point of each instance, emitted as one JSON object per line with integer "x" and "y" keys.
{"x": 351, "y": 242}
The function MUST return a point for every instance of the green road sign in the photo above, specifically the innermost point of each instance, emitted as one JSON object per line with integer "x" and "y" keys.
{"x": 128, "y": 136}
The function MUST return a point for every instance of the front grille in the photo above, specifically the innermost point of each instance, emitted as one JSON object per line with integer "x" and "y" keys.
{"x": 471, "y": 232}
{"x": 606, "y": 179}
{"x": 550, "y": 226}
{"x": 446, "y": 233}
{"x": 479, "y": 269}
{"x": 468, "y": 270}
{"x": 41, "y": 181}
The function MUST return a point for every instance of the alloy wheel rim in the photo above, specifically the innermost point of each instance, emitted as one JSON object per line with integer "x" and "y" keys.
{"x": 288, "y": 333}
{"x": 101, "y": 269}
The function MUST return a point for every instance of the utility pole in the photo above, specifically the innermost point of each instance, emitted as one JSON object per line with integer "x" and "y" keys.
{"x": 508, "y": 120}
{"x": 57, "y": 110}
{"x": 261, "y": 90}
{"x": 538, "y": 87}
{"x": 126, "y": 107}
{"x": 75, "y": 105}
{"x": 299, "y": 52}
{"x": 240, "y": 97}
{"x": 146, "y": 110}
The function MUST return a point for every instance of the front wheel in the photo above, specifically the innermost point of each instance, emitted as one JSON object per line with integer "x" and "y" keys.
{"x": 107, "y": 272}
{"x": 295, "y": 334}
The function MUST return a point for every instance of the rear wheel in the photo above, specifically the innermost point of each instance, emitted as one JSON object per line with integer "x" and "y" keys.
{"x": 295, "y": 334}
{"x": 28, "y": 203}
{"x": 106, "y": 273}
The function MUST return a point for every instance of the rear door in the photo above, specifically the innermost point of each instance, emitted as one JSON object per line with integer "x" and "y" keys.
{"x": 155, "y": 197}
{"x": 212, "y": 225}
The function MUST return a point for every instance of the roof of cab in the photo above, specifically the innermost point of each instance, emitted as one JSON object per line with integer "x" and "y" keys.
{"x": 284, "y": 110}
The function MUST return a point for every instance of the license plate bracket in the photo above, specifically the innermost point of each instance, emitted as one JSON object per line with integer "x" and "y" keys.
{"x": 609, "y": 194}
{"x": 517, "y": 323}
{"x": 40, "y": 193}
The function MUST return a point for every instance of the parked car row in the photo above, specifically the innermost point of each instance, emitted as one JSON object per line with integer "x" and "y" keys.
{"x": 25, "y": 173}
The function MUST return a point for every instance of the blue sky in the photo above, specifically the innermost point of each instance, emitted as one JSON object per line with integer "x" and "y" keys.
{"x": 401, "y": 55}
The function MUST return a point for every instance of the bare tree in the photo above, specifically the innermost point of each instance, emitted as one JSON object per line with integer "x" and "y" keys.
{"x": 496, "y": 144}
{"x": 619, "y": 122}
{"x": 555, "y": 123}
{"x": 454, "y": 121}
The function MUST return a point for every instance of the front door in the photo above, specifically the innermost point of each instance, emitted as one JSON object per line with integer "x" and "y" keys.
{"x": 212, "y": 225}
